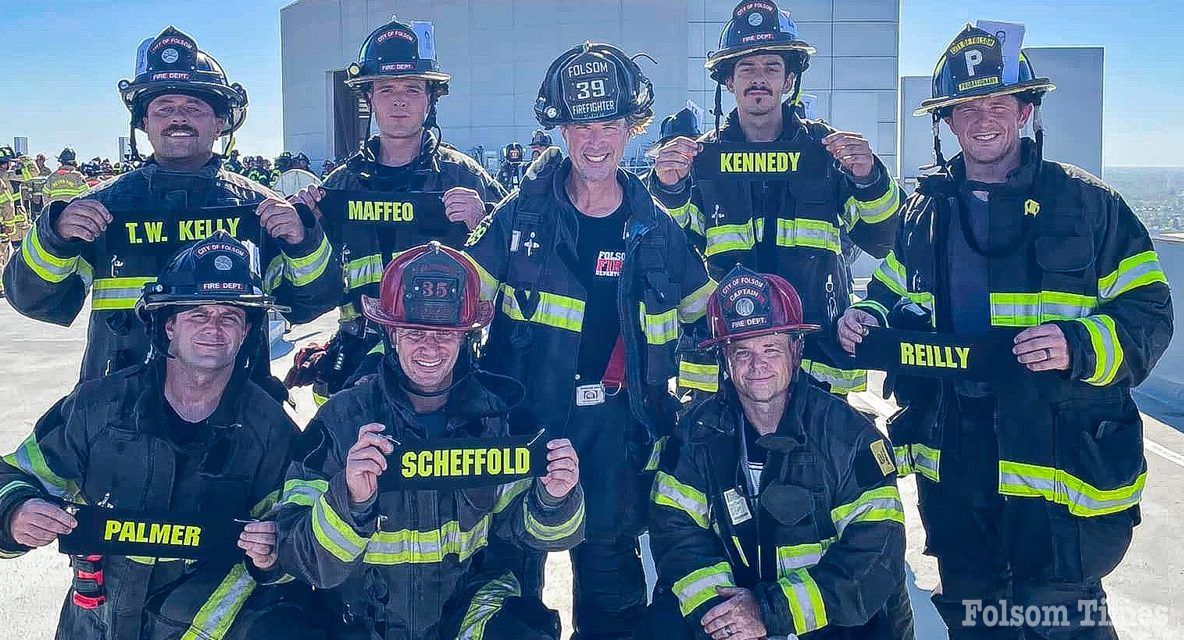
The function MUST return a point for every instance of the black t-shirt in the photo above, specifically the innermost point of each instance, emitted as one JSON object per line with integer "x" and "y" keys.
{"x": 388, "y": 178}
{"x": 600, "y": 251}
{"x": 971, "y": 308}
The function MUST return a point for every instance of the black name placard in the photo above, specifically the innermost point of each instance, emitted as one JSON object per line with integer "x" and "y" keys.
{"x": 153, "y": 534}
{"x": 453, "y": 463}
{"x": 983, "y": 358}
{"x": 390, "y": 210}
{"x": 780, "y": 160}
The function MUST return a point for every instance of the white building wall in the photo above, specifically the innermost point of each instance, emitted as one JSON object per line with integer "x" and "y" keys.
{"x": 498, "y": 50}
{"x": 1072, "y": 113}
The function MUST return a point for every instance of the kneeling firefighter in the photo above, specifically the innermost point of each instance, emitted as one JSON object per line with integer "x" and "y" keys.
{"x": 395, "y": 560}
{"x": 781, "y": 516}
{"x": 187, "y": 432}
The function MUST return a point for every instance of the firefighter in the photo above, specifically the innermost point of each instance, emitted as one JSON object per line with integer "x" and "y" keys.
{"x": 791, "y": 227}
{"x": 185, "y": 432}
{"x": 781, "y": 516}
{"x": 394, "y": 562}
{"x": 593, "y": 282}
{"x": 539, "y": 141}
{"x": 114, "y": 238}
{"x": 399, "y": 77}
{"x": 1029, "y": 485}
{"x": 67, "y": 182}
{"x": 513, "y": 166}
{"x": 11, "y": 211}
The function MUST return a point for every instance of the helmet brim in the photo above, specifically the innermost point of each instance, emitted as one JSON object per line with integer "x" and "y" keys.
{"x": 235, "y": 118}
{"x": 266, "y": 303}
{"x": 722, "y": 341}
{"x": 372, "y": 309}
{"x": 1041, "y": 85}
{"x": 430, "y": 76}
{"x": 724, "y": 55}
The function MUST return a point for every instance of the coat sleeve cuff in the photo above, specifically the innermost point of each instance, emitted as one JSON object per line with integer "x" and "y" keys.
{"x": 48, "y": 236}
{"x": 313, "y": 235}
{"x": 872, "y": 187}
{"x": 338, "y": 498}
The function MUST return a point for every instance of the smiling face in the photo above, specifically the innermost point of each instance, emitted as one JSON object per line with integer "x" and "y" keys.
{"x": 988, "y": 129}
{"x": 207, "y": 338}
{"x": 758, "y": 82}
{"x": 181, "y": 127}
{"x": 400, "y": 106}
{"x": 427, "y": 357}
{"x": 761, "y": 368}
{"x": 596, "y": 148}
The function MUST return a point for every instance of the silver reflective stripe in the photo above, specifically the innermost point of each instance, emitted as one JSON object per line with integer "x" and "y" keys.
{"x": 419, "y": 547}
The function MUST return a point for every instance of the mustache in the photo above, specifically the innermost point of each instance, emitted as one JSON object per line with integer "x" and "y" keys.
{"x": 180, "y": 128}
{"x": 751, "y": 90}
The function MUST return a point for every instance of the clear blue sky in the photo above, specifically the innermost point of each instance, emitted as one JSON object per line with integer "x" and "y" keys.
{"x": 62, "y": 59}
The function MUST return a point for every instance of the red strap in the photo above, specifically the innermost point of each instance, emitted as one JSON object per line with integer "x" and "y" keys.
{"x": 87, "y": 602}
{"x": 97, "y": 576}
{"x": 614, "y": 374}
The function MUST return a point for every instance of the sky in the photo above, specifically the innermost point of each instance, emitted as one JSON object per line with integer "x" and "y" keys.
{"x": 62, "y": 59}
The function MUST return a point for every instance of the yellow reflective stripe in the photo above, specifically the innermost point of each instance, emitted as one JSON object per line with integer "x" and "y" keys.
{"x": 927, "y": 461}
{"x": 304, "y": 492}
{"x": 302, "y": 271}
{"x": 891, "y": 274}
{"x": 553, "y": 532}
{"x": 878, "y": 210}
{"x": 730, "y": 237}
{"x": 904, "y": 460}
{"x": 800, "y": 556}
{"x": 408, "y": 546}
{"x": 506, "y": 493}
{"x": 46, "y": 265}
{"x": 486, "y": 602}
{"x": 1061, "y": 487}
{"x": 881, "y": 504}
{"x": 1031, "y": 309}
{"x": 28, "y": 458}
{"x": 110, "y": 294}
{"x": 694, "y": 306}
{"x": 1136, "y": 271}
{"x": 489, "y": 284}
{"x": 841, "y": 381}
{"x": 214, "y": 618}
{"x": 805, "y": 601}
{"x": 347, "y": 312}
{"x": 265, "y": 504}
{"x": 553, "y": 310}
{"x": 870, "y": 305}
{"x": 1108, "y": 353}
{"x": 363, "y": 271}
{"x": 669, "y": 492}
{"x": 377, "y": 349}
{"x": 812, "y": 234}
{"x": 650, "y": 465}
{"x": 693, "y": 375}
{"x": 699, "y": 586}
{"x": 689, "y": 217}
{"x": 659, "y": 328}
{"x": 333, "y": 534}
{"x": 273, "y": 275}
